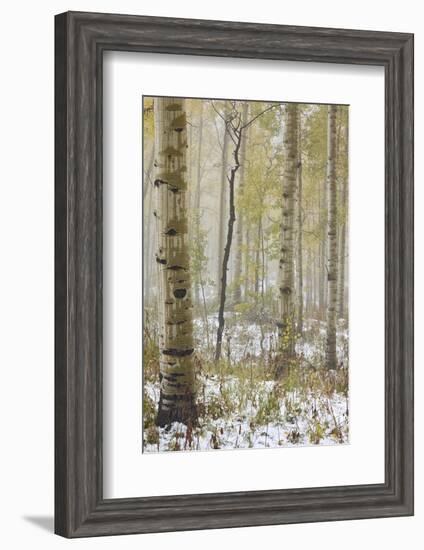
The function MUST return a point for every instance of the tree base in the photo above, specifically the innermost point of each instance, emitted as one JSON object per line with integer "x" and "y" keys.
{"x": 282, "y": 371}
{"x": 285, "y": 362}
{"x": 184, "y": 412}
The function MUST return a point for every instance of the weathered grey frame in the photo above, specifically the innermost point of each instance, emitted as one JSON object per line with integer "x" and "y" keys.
{"x": 81, "y": 39}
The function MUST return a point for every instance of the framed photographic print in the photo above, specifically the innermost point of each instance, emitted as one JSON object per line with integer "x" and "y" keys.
{"x": 234, "y": 337}
{"x": 234, "y": 274}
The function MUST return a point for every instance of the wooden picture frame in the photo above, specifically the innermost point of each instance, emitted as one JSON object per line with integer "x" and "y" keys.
{"x": 81, "y": 39}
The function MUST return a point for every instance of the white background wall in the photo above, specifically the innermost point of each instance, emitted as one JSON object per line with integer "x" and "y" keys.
{"x": 26, "y": 273}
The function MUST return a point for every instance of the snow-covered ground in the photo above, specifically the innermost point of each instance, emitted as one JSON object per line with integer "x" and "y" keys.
{"x": 297, "y": 420}
{"x": 243, "y": 339}
{"x": 253, "y": 410}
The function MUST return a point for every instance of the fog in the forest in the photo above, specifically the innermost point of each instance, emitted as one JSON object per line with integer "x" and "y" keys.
{"x": 245, "y": 274}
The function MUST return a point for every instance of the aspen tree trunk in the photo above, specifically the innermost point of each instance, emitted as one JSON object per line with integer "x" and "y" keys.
{"x": 197, "y": 204}
{"x": 247, "y": 264}
{"x": 148, "y": 171}
{"x": 310, "y": 283}
{"x": 323, "y": 252}
{"x": 257, "y": 259}
{"x": 148, "y": 248}
{"x": 286, "y": 263}
{"x": 191, "y": 183}
{"x": 313, "y": 288}
{"x": 150, "y": 237}
{"x": 263, "y": 274}
{"x": 346, "y": 271}
{"x": 299, "y": 232}
{"x": 147, "y": 213}
{"x": 332, "y": 262}
{"x": 239, "y": 252}
{"x": 341, "y": 284}
{"x": 316, "y": 280}
{"x": 177, "y": 390}
{"x": 222, "y": 210}
{"x": 344, "y": 201}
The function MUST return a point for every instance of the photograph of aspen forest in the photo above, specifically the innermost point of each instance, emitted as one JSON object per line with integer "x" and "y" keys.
{"x": 245, "y": 274}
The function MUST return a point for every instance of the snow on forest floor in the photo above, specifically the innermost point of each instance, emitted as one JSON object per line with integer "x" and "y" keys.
{"x": 295, "y": 421}
{"x": 242, "y": 340}
{"x": 241, "y": 405}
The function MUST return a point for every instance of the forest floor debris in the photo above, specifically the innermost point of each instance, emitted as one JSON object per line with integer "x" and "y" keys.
{"x": 241, "y": 405}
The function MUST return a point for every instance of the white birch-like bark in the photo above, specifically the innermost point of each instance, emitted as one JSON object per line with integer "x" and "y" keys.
{"x": 332, "y": 261}
{"x": 299, "y": 230}
{"x": 323, "y": 251}
{"x": 148, "y": 251}
{"x": 177, "y": 381}
{"x": 343, "y": 231}
{"x": 197, "y": 195}
{"x": 239, "y": 250}
{"x": 286, "y": 263}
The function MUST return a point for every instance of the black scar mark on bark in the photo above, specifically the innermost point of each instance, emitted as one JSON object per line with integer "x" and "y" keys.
{"x": 176, "y": 397}
{"x": 178, "y": 352}
{"x": 285, "y": 290}
{"x": 174, "y": 323}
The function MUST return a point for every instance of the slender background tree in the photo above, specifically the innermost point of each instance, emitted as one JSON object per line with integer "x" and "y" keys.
{"x": 333, "y": 260}
{"x": 286, "y": 279}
